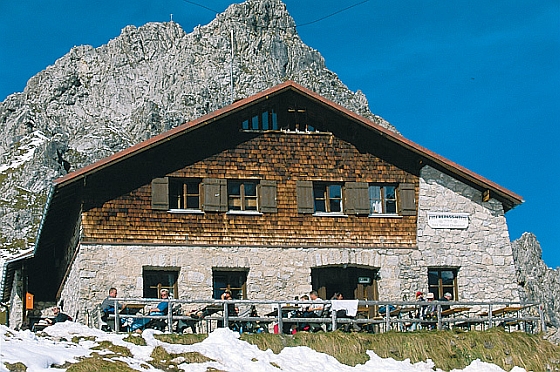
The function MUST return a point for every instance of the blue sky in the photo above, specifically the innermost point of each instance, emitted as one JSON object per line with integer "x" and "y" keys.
{"x": 475, "y": 81}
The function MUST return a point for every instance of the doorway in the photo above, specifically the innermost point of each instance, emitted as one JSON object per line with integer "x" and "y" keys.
{"x": 357, "y": 283}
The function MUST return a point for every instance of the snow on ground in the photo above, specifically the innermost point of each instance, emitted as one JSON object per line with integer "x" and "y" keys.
{"x": 223, "y": 346}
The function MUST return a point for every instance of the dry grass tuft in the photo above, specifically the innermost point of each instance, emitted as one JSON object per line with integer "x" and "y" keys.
{"x": 183, "y": 339}
{"x": 96, "y": 363}
{"x": 116, "y": 349}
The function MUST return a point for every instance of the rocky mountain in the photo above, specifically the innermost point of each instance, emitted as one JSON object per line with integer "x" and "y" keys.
{"x": 541, "y": 283}
{"x": 94, "y": 102}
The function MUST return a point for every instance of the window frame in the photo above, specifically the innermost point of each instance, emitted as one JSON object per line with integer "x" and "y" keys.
{"x": 239, "y": 291}
{"x": 382, "y": 187}
{"x": 244, "y": 199}
{"x": 184, "y": 195}
{"x": 322, "y": 193}
{"x": 148, "y": 271}
{"x": 440, "y": 288}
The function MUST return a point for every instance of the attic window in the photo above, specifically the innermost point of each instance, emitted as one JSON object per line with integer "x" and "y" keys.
{"x": 266, "y": 120}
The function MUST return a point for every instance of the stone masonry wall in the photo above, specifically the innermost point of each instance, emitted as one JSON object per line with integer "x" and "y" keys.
{"x": 273, "y": 273}
{"x": 482, "y": 252}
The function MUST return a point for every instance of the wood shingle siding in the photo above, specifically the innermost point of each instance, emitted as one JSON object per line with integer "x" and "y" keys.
{"x": 286, "y": 166}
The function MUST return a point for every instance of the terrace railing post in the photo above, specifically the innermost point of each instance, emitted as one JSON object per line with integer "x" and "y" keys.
{"x": 169, "y": 316}
{"x": 117, "y": 320}
{"x": 439, "y": 322}
{"x": 99, "y": 318}
{"x": 490, "y": 325}
{"x": 333, "y": 321}
{"x": 387, "y": 318}
{"x": 280, "y": 325}
{"x": 226, "y": 315}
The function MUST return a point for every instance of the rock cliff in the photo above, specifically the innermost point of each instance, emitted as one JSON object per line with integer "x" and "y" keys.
{"x": 540, "y": 283}
{"x": 94, "y": 102}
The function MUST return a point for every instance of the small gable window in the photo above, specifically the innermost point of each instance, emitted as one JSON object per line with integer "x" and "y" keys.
{"x": 266, "y": 120}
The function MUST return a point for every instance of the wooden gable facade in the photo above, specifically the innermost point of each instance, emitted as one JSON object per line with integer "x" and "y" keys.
{"x": 284, "y": 169}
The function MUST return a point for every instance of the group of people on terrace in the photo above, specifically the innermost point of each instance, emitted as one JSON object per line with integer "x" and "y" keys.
{"x": 310, "y": 306}
{"x": 109, "y": 305}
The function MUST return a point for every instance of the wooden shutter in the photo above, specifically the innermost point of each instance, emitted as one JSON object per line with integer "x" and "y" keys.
{"x": 215, "y": 195}
{"x": 160, "y": 194}
{"x": 267, "y": 196}
{"x": 407, "y": 199}
{"x": 356, "y": 198}
{"x": 305, "y": 202}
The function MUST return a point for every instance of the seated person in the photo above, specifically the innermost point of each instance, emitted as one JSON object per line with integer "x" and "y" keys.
{"x": 315, "y": 310}
{"x": 446, "y": 297}
{"x": 108, "y": 308}
{"x": 160, "y": 309}
{"x": 58, "y": 317}
{"x": 232, "y": 309}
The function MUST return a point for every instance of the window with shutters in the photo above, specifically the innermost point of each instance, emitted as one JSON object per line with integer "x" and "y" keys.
{"x": 327, "y": 197}
{"x": 242, "y": 196}
{"x": 190, "y": 195}
{"x": 382, "y": 199}
{"x": 356, "y": 198}
{"x": 184, "y": 194}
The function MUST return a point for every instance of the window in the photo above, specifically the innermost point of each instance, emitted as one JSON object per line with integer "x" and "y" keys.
{"x": 235, "y": 281}
{"x": 441, "y": 281}
{"x": 327, "y": 197}
{"x": 242, "y": 195}
{"x": 156, "y": 279}
{"x": 184, "y": 194}
{"x": 382, "y": 199}
{"x": 213, "y": 195}
{"x": 266, "y": 120}
{"x": 358, "y": 198}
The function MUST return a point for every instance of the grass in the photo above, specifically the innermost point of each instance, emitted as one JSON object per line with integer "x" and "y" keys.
{"x": 97, "y": 363}
{"x": 447, "y": 349}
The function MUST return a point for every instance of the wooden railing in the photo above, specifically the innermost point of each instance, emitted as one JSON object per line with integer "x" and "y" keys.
{"x": 281, "y": 315}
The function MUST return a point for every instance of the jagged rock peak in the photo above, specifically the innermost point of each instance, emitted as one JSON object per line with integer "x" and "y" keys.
{"x": 539, "y": 283}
